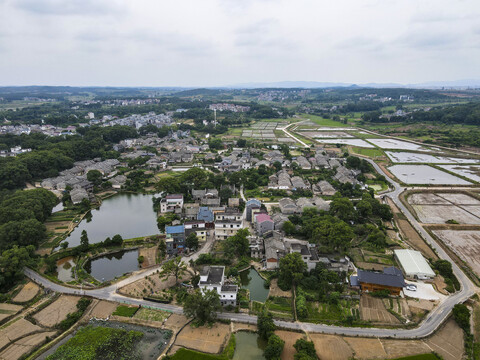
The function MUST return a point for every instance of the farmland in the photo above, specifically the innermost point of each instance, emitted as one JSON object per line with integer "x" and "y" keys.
{"x": 57, "y": 311}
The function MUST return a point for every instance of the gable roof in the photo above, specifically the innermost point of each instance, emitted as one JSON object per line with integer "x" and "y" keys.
{"x": 391, "y": 278}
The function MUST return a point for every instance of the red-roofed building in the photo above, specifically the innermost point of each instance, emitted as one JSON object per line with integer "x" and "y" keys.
{"x": 263, "y": 223}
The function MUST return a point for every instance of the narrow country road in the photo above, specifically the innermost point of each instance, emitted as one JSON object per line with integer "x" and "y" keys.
{"x": 431, "y": 322}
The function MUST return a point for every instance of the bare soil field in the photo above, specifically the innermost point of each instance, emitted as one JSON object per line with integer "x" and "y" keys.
{"x": 149, "y": 283}
{"x": 331, "y": 347}
{"x": 426, "y": 199}
{"x": 28, "y": 292}
{"x": 410, "y": 234}
{"x": 290, "y": 338}
{"x": 149, "y": 255}
{"x": 373, "y": 309}
{"x": 369, "y": 266}
{"x": 464, "y": 243}
{"x": 400, "y": 348}
{"x": 439, "y": 284}
{"x": 7, "y": 310}
{"x": 459, "y": 198}
{"x": 102, "y": 309}
{"x": 204, "y": 339}
{"x": 175, "y": 322}
{"x": 439, "y": 214}
{"x": 276, "y": 291}
{"x": 24, "y": 345}
{"x": 448, "y": 341}
{"x": 365, "y": 348}
{"x": 472, "y": 209}
{"x": 57, "y": 311}
{"x": 16, "y": 330}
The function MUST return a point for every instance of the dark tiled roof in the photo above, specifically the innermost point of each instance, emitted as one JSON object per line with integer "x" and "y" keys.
{"x": 231, "y": 288}
{"x": 215, "y": 274}
{"x": 384, "y": 279}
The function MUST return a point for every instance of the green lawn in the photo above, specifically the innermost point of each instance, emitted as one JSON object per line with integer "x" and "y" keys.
{"x": 368, "y": 152}
{"x": 123, "y": 310}
{"x": 322, "y": 121}
{"x": 151, "y": 314}
{"x": 328, "y": 313}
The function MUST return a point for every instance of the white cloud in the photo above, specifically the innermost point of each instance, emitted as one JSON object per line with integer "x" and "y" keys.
{"x": 220, "y": 42}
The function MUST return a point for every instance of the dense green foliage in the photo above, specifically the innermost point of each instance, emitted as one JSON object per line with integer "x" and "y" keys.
{"x": 124, "y": 310}
{"x": 12, "y": 262}
{"x": 92, "y": 343}
{"x": 274, "y": 348}
{"x": 265, "y": 324}
{"x": 238, "y": 244}
{"x": 202, "y": 306}
{"x": 72, "y": 318}
{"x": 444, "y": 268}
{"x": 291, "y": 270}
{"x": 305, "y": 350}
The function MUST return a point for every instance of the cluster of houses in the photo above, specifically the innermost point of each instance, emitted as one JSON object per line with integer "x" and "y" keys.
{"x": 229, "y": 107}
{"x": 76, "y": 178}
{"x": 14, "y": 151}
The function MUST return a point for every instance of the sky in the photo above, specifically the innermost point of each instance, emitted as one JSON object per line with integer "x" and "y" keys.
{"x": 228, "y": 42}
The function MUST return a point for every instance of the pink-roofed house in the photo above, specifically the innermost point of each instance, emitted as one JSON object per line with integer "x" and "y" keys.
{"x": 263, "y": 223}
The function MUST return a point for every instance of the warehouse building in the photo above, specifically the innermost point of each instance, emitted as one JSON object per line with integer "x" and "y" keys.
{"x": 413, "y": 264}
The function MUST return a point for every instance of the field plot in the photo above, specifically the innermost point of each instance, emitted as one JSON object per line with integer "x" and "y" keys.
{"x": 471, "y": 172}
{"x": 373, "y": 309}
{"x": 440, "y": 207}
{"x": 448, "y": 341}
{"x": 408, "y": 157}
{"x": 397, "y": 145}
{"x": 151, "y": 315}
{"x": 331, "y": 347}
{"x": 365, "y": 348}
{"x": 7, "y": 310}
{"x": 353, "y": 142}
{"x": 424, "y": 174}
{"x": 102, "y": 309}
{"x": 24, "y": 345}
{"x": 465, "y": 243}
{"x": 57, "y": 311}
{"x": 290, "y": 338}
{"x": 151, "y": 284}
{"x": 149, "y": 255}
{"x": 28, "y": 292}
{"x": 396, "y": 349}
{"x": 325, "y": 134}
{"x": 440, "y": 214}
{"x": 16, "y": 330}
{"x": 204, "y": 339}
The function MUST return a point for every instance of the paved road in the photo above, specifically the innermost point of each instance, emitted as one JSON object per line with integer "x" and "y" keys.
{"x": 427, "y": 327}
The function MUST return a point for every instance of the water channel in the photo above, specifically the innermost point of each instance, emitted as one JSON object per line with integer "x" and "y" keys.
{"x": 130, "y": 215}
{"x": 252, "y": 281}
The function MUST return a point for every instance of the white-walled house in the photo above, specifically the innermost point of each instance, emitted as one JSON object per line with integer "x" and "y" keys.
{"x": 213, "y": 278}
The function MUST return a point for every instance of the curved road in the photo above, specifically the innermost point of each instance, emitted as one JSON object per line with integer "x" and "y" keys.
{"x": 431, "y": 322}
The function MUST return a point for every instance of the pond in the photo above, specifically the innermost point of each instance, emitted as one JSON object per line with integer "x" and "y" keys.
{"x": 252, "y": 281}
{"x": 248, "y": 346}
{"x": 108, "y": 267}
{"x": 64, "y": 269}
{"x": 130, "y": 215}
{"x": 424, "y": 174}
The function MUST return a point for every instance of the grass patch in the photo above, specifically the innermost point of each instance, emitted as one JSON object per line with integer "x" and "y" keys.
{"x": 373, "y": 153}
{"x": 322, "y": 121}
{"x": 126, "y": 311}
{"x": 151, "y": 314}
{"x": 430, "y": 356}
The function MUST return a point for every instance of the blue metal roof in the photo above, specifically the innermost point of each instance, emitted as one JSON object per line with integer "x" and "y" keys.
{"x": 174, "y": 229}
{"x": 205, "y": 214}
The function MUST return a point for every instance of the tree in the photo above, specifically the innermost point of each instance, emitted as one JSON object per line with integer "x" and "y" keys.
{"x": 95, "y": 177}
{"x": 162, "y": 248}
{"x": 192, "y": 241}
{"x": 238, "y": 244}
{"x": 12, "y": 262}
{"x": 202, "y": 306}
{"x": 274, "y": 348}
{"x": 291, "y": 270}
{"x": 168, "y": 184}
{"x": 84, "y": 240}
{"x": 175, "y": 267}
{"x": 289, "y": 228}
{"x": 265, "y": 324}
{"x": 305, "y": 350}
{"x": 241, "y": 143}
{"x": 225, "y": 194}
{"x": 342, "y": 208}
{"x": 461, "y": 313}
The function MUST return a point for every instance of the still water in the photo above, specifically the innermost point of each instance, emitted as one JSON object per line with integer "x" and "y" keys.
{"x": 130, "y": 215}
{"x": 254, "y": 283}
{"x": 248, "y": 346}
{"x": 108, "y": 267}
{"x": 64, "y": 269}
